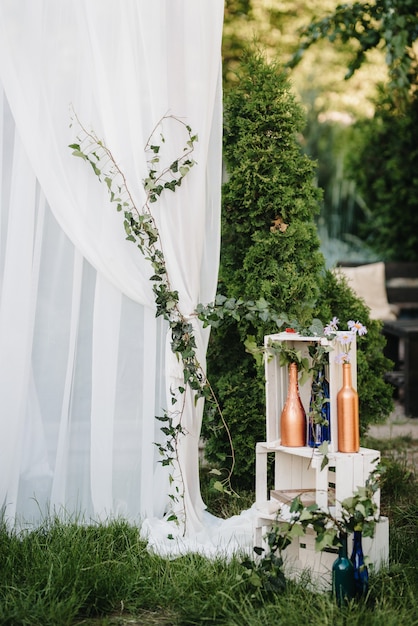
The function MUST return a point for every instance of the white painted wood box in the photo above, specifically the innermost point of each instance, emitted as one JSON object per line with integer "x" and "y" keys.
{"x": 297, "y": 471}
{"x": 301, "y": 557}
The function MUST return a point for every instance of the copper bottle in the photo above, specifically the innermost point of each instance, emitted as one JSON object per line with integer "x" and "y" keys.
{"x": 293, "y": 417}
{"x": 347, "y": 414}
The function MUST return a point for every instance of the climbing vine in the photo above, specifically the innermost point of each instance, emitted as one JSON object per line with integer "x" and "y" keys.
{"x": 141, "y": 229}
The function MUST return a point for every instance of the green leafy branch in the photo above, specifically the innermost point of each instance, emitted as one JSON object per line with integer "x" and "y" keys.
{"x": 359, "y": 512}
{"x": 255, "y": 311}
{"x": 139, "y": 224}
{"x": 215, "y": 313}
{"x": 156, "y": 182}
{"x": 370, "y": 25}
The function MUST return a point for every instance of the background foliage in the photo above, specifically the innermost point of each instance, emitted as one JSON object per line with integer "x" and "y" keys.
{"x": 348, "y": 60}
{"x": 384, "y": 153}
{"x": 271, "y": 250}
{"x": 383, "y": 160}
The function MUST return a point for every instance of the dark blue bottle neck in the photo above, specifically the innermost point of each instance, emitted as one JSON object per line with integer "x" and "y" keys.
{"x": 357, "y": 544}
{"x": 342, "y": 551}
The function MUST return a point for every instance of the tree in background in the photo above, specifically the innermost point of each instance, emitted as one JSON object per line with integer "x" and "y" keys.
{"x": 269, "y": 244}
{"x": 318, "y": 78}
{"x": 391, "y": 25}
{"x": 270, "y": 250}
{"x": 332, "y": 103}
{"x": 383, "y": 162}
{"x": 382, "y": 151}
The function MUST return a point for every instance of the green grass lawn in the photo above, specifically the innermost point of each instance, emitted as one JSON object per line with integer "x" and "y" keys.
{"x": 67, "y": 574}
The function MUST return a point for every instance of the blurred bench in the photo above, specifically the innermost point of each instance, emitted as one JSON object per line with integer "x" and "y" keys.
{"x": 402, "y": 287}
{"x": 390, "y": 289}
{"x": 402, "y": 348}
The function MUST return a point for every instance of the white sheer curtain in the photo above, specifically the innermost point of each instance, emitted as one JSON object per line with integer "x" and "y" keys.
{"x": 84, "y": 365}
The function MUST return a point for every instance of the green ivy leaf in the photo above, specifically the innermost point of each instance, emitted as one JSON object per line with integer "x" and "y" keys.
{"x": 297, "y": 530}
{"x": 349, "y": 503}
{"x": 305, "y": 515}
{"x": 325, "y": 462}
{"x": 325, "y": 540}
{"x": 170, "y": 305}
{"x": 316, "y": 328}
{"x": 361, "y": 509}
{"x": 78, "y": 153}
{"x": 254, "y": 580}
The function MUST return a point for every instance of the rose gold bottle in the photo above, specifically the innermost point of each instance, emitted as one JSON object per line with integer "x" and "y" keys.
{"x": 293, "y": 417}
{"x": 347, "y": 414}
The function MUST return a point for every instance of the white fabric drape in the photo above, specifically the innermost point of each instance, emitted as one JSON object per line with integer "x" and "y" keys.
{"x": 84, "y": 366}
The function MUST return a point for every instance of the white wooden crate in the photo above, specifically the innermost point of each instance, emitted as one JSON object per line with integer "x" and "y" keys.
{"x": 277, "y": 378}
{"x": 300, "y": 556}
{"x": 300, "y": 468}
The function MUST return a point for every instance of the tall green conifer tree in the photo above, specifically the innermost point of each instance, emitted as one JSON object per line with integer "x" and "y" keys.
{"x": 270, "y": 247}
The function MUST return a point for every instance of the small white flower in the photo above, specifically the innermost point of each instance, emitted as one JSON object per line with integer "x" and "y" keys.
{"x": 341, "y": 358}
{"x": 332, "y": 327}
{"x": 357, "y": 327}
{"x": 345, "y": 338}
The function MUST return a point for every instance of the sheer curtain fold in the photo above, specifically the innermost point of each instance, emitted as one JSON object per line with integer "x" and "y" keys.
{"x": 16, "y": 321}
{"x": 59, "y": 412}
{"x": 106, "y": 325}
{"x": 83, "y": 366}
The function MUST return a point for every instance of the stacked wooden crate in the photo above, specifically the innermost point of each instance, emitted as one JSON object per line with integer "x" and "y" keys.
{"x": 300, "y": 471}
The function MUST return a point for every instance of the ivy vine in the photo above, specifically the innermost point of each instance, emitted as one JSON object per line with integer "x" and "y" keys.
{"x": 141, "y": 229}
{"x": 261, "y": 311}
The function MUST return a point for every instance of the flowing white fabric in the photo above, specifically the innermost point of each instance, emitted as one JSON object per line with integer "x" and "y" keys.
{"x": 84, "y": 365}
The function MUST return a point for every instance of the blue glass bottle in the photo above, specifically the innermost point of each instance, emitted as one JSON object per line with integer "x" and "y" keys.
{"x": 361, "y": 573}
{"x": 318, "y": 433}
{"x": 343, "y": 574}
